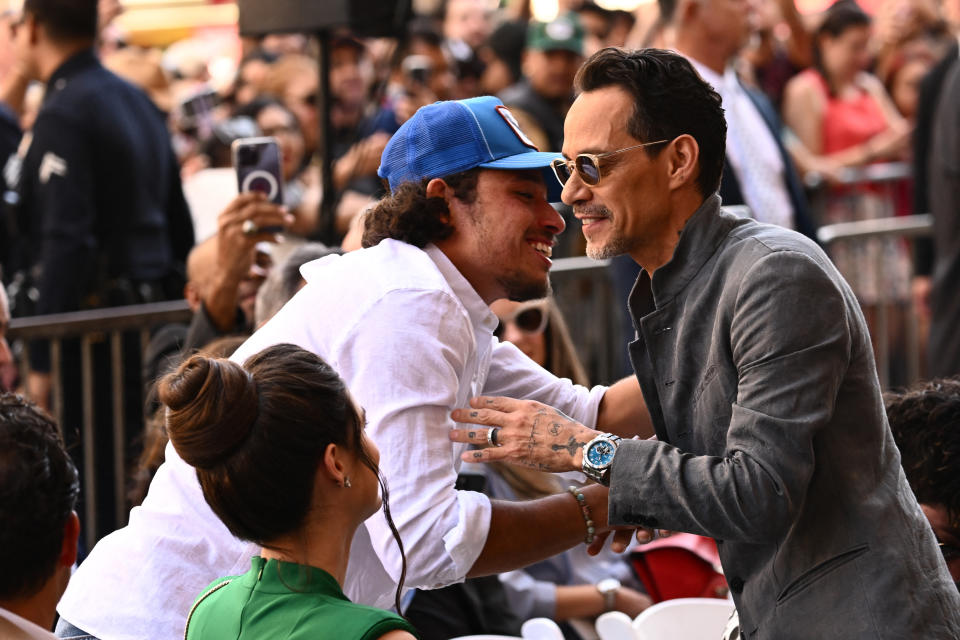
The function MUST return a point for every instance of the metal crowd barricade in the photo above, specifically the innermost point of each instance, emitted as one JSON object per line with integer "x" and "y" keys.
{"x": 585, "y": 295}
{"x": 89, "y": 326}
{"x": 915, "y": 226}
{"x": 583, "y": 292}
{"x": 865, "y": 231}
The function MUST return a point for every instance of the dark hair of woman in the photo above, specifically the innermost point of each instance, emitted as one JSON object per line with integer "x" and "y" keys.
{"x": 840, "y": 16}
{"x": 257, "y": 432}
{"x": 408, "y": 215}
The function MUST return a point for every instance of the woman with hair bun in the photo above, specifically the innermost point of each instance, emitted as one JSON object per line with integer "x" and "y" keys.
{"x": 282, "y": 459}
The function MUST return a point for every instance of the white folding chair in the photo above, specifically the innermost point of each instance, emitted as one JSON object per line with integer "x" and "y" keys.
{"x": 541, "y": 629}
{"x": 615, "y": 625}
{"x": 684, "y": 619}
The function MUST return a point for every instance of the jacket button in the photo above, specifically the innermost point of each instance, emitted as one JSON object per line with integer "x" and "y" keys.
{"x": 736, "y": 584}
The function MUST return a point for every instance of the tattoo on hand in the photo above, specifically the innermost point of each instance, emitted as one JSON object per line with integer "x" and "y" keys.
{"x": 555, "y": 429}
{"x": 571, "y": 446}
{"x": 472, "y": 435}
{"x": 473, "y": 414}
{"x": 477, "y": 455}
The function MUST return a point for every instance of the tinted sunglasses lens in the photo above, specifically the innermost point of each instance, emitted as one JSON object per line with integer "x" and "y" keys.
{"x": 561, "y": 170}
{"x": 588, "y": 170}
{"x": 529, "y": 320}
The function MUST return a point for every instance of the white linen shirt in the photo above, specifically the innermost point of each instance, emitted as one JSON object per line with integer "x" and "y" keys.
{"x": 412, "y": 340}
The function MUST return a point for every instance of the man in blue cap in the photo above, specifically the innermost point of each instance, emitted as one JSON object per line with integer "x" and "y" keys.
{"x": 407, "y": 325}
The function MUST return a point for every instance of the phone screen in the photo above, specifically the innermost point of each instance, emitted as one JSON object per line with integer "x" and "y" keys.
{"x": 258, "y": 167}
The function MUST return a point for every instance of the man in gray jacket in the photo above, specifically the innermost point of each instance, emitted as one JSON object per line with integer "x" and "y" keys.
{"x": 757, "y": 371}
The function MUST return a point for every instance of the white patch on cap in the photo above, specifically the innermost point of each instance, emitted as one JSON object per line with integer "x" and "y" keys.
{"x": 512, "y": 121}
{"x": 559, "y": 29}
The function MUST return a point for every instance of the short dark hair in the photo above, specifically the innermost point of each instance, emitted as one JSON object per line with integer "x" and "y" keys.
{"x": 38, "y": 491}
{"x": 410, "y": 216}
{"x": 670, "y": 99}
{"x": 65, "y": 20}
{"x": 925, "y": 421}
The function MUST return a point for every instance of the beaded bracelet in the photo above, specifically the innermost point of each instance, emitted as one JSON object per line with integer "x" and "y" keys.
{"x": 585, "y": 511}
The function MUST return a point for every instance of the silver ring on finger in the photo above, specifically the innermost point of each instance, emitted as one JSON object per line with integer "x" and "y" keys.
{"x": 492, "y": 437}
{"x": 250, "y": 228}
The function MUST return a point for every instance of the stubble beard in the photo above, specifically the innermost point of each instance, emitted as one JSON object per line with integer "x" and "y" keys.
{"x": 616, "y": 244}
{"x": 521, "y": 289}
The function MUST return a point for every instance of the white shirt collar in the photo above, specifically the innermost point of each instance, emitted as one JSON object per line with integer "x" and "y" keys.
{"x": 30, "y": 629}
{"x": 479, "y": 311}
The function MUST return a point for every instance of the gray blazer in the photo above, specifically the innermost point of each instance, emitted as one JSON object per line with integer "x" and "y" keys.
{"x": 756, "y": 365}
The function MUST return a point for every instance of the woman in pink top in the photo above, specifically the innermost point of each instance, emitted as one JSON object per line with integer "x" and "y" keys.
{"x": 843, "y": 118}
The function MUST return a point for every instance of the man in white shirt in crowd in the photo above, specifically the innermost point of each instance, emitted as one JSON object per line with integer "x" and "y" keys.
{"x": 38, "y": 537}
{"x": 757, "y": 171}
{"x": 406, "y": 323}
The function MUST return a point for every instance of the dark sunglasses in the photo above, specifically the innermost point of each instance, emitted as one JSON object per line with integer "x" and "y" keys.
{"x": 528, "y": 320}
{"x": 587, "y": 165}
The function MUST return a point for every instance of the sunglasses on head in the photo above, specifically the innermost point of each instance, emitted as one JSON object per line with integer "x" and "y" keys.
{"x": 587, "y": 165}
{"x": 527, "y": 319}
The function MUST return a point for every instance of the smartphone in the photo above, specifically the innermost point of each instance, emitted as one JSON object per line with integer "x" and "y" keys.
{"x": 197, "y": 111}
{"x": 258, "y": 166}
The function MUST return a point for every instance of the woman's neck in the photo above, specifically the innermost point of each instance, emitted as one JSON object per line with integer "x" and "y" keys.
{"x": 325, "y": 547}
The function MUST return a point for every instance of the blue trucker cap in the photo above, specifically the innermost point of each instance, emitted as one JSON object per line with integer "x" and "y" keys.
{"x": 444, "y": 138}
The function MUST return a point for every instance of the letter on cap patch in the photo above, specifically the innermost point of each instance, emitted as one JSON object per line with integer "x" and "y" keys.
{"x": 506, "y": 115}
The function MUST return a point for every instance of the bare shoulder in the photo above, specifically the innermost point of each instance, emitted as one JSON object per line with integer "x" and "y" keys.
{"x": 398, "y": 634}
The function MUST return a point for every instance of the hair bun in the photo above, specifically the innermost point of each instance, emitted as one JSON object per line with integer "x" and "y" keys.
{"x": 212, "y": 407}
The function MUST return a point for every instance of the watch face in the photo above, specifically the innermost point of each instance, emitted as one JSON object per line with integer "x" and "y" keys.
{"x": 600, "y": 454}
{"x": 608, "y": 584}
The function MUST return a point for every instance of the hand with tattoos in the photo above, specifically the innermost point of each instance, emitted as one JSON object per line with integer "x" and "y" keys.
{"x": 534, "y": 435}
{"x": 531, "y": 434}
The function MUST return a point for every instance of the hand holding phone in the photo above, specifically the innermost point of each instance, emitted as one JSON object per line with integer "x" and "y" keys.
{"x": 259, "y": 168}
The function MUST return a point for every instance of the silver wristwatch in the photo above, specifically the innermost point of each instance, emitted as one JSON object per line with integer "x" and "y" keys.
{"x": 608, "y": 588}
{"x": 598, "y": 457}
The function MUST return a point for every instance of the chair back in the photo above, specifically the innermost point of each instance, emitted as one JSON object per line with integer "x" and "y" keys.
{"x": 684, "y": 619}
{"x": 615, "y": 625}
{"x": 541, "y": 629}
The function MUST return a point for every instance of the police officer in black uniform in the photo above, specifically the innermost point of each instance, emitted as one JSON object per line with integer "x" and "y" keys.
{"x": 102, "y": 218}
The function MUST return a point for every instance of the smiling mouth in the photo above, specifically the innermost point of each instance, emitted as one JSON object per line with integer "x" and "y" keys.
{"x": 543, "y": 248}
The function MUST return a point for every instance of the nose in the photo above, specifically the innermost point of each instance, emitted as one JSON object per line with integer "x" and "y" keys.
{"x": 575, "y": 190}
{"x": 551, "y": 220}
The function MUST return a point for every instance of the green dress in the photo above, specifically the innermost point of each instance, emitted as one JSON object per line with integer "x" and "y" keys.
{"x": 285, "y": 600}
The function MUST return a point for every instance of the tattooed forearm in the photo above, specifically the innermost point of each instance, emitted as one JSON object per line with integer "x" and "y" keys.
{"x": 571, "y": 447}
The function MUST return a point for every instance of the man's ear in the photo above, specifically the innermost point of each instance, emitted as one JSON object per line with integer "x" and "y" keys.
{"x": 71, "y": 533}
{"x": 437, "y": 188}
{"x": 686, "y": 11}
{"x": 684, "y": 166}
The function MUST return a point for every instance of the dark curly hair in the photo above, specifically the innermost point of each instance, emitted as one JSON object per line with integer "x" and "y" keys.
{"x": 409, "y": 215}
{"x": 38, "y": 491}
{"x": 670, "y": 99}
{"x": 925, "y": 421}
